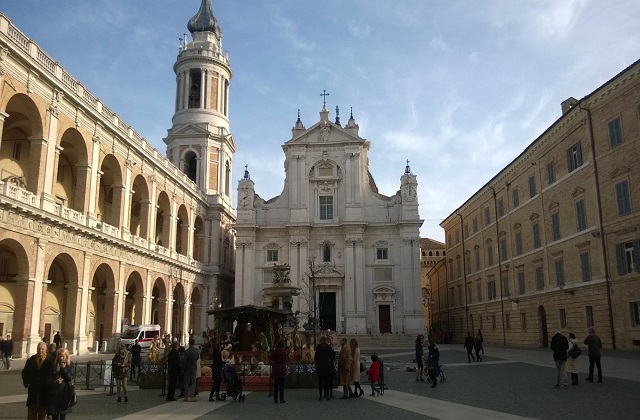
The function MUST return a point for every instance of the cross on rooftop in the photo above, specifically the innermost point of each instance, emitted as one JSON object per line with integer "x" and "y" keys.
{"x": 324, "y": 95}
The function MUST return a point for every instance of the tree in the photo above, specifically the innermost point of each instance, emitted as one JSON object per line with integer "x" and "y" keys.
{"x": 308, "y": 294}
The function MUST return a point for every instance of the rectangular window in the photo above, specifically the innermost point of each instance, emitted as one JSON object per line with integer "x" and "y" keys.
{"x": 628, "y": 256}
{"x": 559, "y": 268}
{"x": 581, "y": 215}
{"x": 272, "y": 255}
{"x": 505, "y": 286}
{"x": 466, "y": 230}
{"x": 458, "y": 269}
{"x": 460, "y": 297}
{"x": 518, "y": 243}
{"x": 477, "y": 259}
{"x": 532, "y": 186}
{"x": 515, "y": 197}
{"x": 467, "y": 263}
{"x": 493, "y": 321}
{"x": 457, "y": 236}
{"x": 551, "y": 173}
{"x": 500, "y": 207}
{"x": 588, "y": 316}
{"x": 479, "y": 291}
{"x": 382, "y": 274}
{"x": 585, "y": 266}
{"x": 615, "y": 132}
{"x": 491, "y": 290}
{"x": 622, "y": 198}
{"x": 489, "y": 255}
{"x": 635, "y": 313}
{"x": 536, "y": 236}
{"x": 326, "y": 207}
{"x": 487, "y": 216}
{"x": 452, "y": 296}
{"x": 574, "y": 157}
{"x": 555, "y": 226}
{"x": 507, "y": 321}
{"x": 523, "y": 320}
{"x": 563, "y": 318}
{"x": 521, "y": 283}
{"x": 539, "y": 278}
{"x": 475, "y": 225}
{"x": 382, "y": 253}
{"x": 503, "y": 249}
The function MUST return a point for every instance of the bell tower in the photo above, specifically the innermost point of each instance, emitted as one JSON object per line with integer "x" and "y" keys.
{"x": 199, "y": 142}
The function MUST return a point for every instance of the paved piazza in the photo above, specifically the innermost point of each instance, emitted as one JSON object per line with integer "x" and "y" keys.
{"x": 508, "y": 384}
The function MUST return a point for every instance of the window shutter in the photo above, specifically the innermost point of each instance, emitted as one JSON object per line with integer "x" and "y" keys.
{"x": 622, "y": 268}
{"x": 569, "y": 161}
{"x": 579, "y": 153}
{"x": 636, "y": 255}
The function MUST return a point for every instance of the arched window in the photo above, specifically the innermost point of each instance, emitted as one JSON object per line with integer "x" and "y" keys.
{"x": 326, "y": 253}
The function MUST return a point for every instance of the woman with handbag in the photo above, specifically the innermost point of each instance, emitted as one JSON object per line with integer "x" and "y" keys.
{"x": 60, "y": 378}
{"x": 572, "y": 366}
{"x": 356, "y": 368}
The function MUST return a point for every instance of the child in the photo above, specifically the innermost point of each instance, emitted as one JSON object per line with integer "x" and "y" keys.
{"x": 374, "y": 375}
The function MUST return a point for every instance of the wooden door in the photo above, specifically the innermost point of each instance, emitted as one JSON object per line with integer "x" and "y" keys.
{"x": 384, "y": 319}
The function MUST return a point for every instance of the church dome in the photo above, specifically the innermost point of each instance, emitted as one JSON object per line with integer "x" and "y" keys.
{"x": 204, "y": 21}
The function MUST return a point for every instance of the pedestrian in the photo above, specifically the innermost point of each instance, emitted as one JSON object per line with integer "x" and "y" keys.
{"x": 2, "y": 353}
{"x": 216, "y": 371}
{"x": 34, "y": 377}
{"x": 572, "y": 366}
{"x": 182, "y": 358}
{"x": 560, "y": 345}
{"x": 278, "y": 359}
{"x": 7, "y": 352}
{"x": 355, "y": 367}
{"x": 60, "y": 375}
{"x": 192, "y": 355}
{"x": 334, "y": 364}
{"x": 173, "y": 370}
{"x": 419, "y": 358}
{"x": 57, "y": 340}
{"x": 468, "y": 344}
{"x": 593, "y": 350}
{"x": 374, "y": 375}
{"x": 433, "y": 363}
{"x": 344, "y": 369}
{"x": 477, "y": 346}
{"x": 481, "y": 341}
{"x": 121, "y": 364}
{"x": 323, "y": 357}
{"x": 136, "y": 359}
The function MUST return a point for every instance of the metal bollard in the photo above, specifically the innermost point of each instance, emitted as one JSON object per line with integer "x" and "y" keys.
{"x": 104, "y": 346}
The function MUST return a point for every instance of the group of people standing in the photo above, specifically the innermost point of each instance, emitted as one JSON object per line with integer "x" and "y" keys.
{"x": 566, "y": 351}
{"x": 433, "y": 360}
{"x": 45, "y": 375}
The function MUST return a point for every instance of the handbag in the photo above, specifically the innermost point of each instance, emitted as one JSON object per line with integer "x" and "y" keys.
{"x": 575, "y": 351}
{"x": 67, "y": 397}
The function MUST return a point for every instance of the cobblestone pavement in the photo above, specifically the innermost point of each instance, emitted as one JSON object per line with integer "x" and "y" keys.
{"x": 507, "y": 384}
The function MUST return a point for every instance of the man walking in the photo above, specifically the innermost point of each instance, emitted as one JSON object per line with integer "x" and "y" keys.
{"x": 468, "y": 344}
{"x": 594, "y": 345}
{"x": 57, "y": 340}
{"x": 35, "y": 374}
{"x": 560, "y": 345}
{"x": 136, "y": 358}
{"x": 7, "y": 352}
{"x": 192, "y": 355}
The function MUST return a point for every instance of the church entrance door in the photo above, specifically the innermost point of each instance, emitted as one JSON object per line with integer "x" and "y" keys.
{"x": 327, "y": 307}
{"x": 384, "y": 318}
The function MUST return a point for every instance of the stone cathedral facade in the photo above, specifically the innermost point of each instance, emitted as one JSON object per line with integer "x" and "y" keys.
{"x": 351, "y": 252}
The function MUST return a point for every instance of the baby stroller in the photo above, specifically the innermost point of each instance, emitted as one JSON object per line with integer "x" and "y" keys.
{"x": 234, "y": 383}
{"x": 439, "y": 373}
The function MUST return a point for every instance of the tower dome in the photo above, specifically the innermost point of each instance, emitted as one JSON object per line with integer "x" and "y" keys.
{"x": 204, "y": 21}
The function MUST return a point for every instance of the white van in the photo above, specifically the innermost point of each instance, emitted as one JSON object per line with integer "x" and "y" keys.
{"x": 143, "y": 333}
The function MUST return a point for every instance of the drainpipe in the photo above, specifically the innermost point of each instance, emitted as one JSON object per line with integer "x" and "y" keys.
{"x": 495, "y": 205}
{"x": 601, "y": 226}
{"x": 464, "y": 274}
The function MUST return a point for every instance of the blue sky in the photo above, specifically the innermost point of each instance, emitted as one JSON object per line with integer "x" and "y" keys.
{"x": 459, "y": 88}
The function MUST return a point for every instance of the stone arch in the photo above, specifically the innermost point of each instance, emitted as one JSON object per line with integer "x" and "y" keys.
{"x": 14, "y": 271}
{"x": 22, "y": 151}
{"x": 60, "y": 298}
{"x": 195, "y": 314}
{"x": 110, "y": 191}
{"x": 190, "y": 165}
{"x": 140, "y": 206}
{"x": 182, "y": 230}
{"x": 73, "y": 172}
{"x": 163, "y": 220}
{"x": 159, "y": 299}
{"x": 102, "y": 305}
{"x": 134, "y": 299}
{"x": 179, "y": 303}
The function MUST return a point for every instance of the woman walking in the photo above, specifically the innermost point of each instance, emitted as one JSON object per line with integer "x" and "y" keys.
{"x": 121, "y": 364}
{"x": 355, "y": 368}
{"x": 344, "y": 369}
{"x": 279, "y": 371}
{"x": 60, "y": 375}
{"x": 419, "y": 358}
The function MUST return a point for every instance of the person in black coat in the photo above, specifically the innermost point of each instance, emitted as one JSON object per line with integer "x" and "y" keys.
{"x": 60, "y": 374}
{"x": 34, "y": 377}
{"x": 324, "y": 358}
{"x": 468, "y": 344}
{"x": 560, "y": 345}
{"x": 216, "y": 371}
{"x": 136, "y": 358}
{"x": 433, "y": 363}
{"x": 173, "y": 370}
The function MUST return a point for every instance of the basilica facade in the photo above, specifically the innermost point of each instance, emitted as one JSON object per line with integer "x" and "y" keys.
{"x": 97, "y": 228}
{"x": 350, "y": 253}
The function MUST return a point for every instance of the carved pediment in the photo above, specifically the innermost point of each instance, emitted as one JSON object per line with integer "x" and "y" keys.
{"x": 553, "y": 205}
{"x": 534, "y": 216}
{"x": 577, "y": 192}
{"x": 620, "y": 170}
